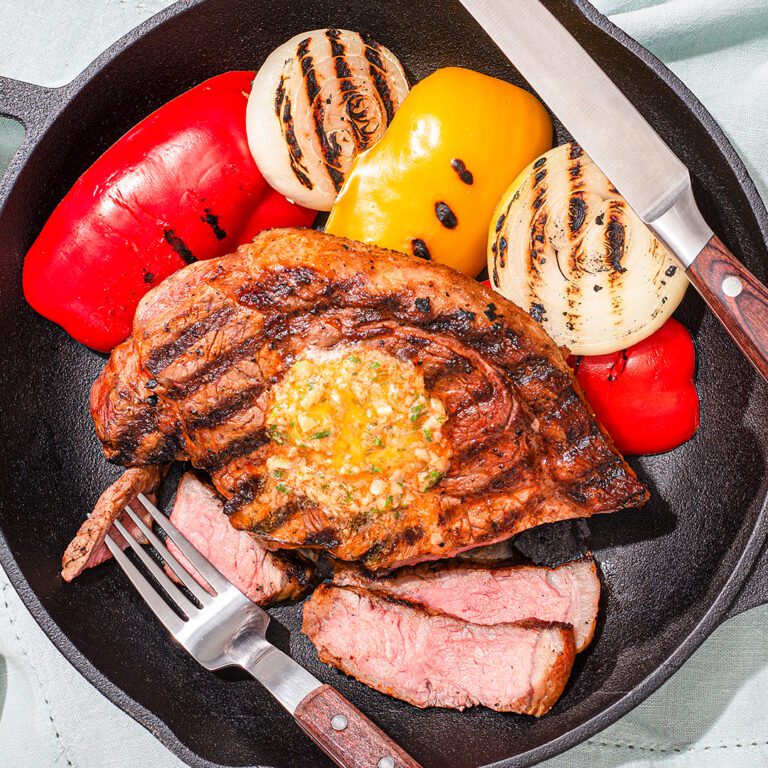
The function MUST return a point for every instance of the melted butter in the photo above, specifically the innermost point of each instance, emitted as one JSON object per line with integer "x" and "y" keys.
{"x": 354, "y": 429}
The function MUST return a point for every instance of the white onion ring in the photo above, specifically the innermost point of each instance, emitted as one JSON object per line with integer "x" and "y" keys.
{"x": 317, "y": 101}
{"x": 567, "y": 248}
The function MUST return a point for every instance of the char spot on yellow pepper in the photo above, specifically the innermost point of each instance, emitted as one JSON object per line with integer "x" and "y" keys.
{"x": 420, "y": 249}
{"x": 430, "y": 186}
{"x": 446, "y": 216}
{"x": 464, "y": 173}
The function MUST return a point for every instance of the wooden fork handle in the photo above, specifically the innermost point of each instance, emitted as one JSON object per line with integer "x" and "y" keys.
{"x": 738, "y": 299}
{"x": 346, "y": 735}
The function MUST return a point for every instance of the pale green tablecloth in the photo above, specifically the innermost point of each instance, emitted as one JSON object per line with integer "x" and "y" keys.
{"x": 712, "y": 714}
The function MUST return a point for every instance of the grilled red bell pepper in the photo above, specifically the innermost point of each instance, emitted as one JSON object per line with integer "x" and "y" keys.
{"x": 645, "y": 396}
{"x": 179, "y": 187}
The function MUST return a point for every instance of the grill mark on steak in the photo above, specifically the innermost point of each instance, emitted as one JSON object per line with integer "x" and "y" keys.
{"x": 295, "y": 569}
{"x": 536, "y": 371}
{"x": 277, "y": 517}
{"x": 130, "y": 439}
{"x": 610, "y": 475}
{"x": 327, "y": 538}
{"x": 373, "y": 552}
{"x": 457, "y": 323}
{"x": 248, "y": 443}
{"x": 565, "y": 401}
{"x": 454, "y": 364}
{"x": 217, "y": 367}
{"x": 274, "y": 287}
{"x": 482, "y": 393}
{"x": 245, "y": 492}
{"x": 512, "y": 475}
{"x": 411, "y": 535}
{"x": 135, "y": 443}
{"x": 162, "y": 357}
{"x": 235, "y": 403}
{"x": 403, "y": 539}
{"x": 526, "y": 449}
{"x": 165, "y": 451}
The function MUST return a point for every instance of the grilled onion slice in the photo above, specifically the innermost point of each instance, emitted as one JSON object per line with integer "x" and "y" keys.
{"x": 566, "y": 247}
{"x": 317, "y": 101}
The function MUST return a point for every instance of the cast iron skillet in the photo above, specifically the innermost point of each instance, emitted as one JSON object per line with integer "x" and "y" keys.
{"x": 672, "y": 571}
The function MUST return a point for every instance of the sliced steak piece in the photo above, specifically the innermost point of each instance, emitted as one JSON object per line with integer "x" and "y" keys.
{"x": 265, "y": 577}
{"x": 515, "y": 443}
{"x": 87, "y": 549}
{"x": 494, "y": 594}
{"x": 432, "y": 660}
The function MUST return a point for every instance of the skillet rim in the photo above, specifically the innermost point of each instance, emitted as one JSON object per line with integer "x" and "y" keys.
{"x": 718, "y": 610}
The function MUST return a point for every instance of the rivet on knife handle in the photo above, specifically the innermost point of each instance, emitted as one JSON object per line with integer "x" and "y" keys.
{"x": 633, "y": 156}
{"x": 737, "y": 298}
{"x": 346, "y": 735}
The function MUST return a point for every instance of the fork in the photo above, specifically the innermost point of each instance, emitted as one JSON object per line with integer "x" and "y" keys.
{"x": 226, "y": 629}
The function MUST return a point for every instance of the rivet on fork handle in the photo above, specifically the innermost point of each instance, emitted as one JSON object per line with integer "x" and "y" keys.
{"x": 346, "y": 735}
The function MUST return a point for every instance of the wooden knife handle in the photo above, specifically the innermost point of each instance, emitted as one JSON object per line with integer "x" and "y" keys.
{"x": 738, "y": 299}
{"x": 346, "y": 735}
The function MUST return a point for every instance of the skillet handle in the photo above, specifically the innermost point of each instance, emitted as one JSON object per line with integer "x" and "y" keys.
{"x": 346, "y": 735}
{"x": 34, "y": 106}
{"x": 738, "y": 299}
{"x": 31, "y": 105}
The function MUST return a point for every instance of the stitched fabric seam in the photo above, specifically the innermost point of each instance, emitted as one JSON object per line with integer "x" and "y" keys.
{"x": 708, "y": 747}
{"x": 64, "y": 751}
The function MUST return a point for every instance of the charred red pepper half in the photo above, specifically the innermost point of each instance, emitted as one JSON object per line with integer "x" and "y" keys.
{"x": 645, "y": 396}
{"x": 178, "y": 187}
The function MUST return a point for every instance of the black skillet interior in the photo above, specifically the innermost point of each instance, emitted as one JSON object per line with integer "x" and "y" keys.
{"x": 663, "y": 567}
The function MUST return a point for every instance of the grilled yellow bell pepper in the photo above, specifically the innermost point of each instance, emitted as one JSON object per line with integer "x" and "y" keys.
{"x": 430, "y": 186}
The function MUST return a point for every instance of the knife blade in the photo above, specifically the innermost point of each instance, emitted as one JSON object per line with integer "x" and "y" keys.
{"x": 633, "y": 156}
{"x": 598, "y": 115}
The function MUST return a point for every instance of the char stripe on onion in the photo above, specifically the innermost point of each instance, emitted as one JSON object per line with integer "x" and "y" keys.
{"x": 337, "y": 47}
{"x": 294, "y": 150}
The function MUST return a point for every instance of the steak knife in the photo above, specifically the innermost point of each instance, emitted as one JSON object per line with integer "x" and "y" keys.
{"x": 634, "y": 157}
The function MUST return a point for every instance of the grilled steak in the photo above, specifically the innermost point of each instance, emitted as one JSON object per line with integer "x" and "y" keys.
{"x": 432, "y": 660}
{"x": 486, "y": 432}
{"x": 265, "y": 577}
{"x": 495, "y": 594}
{"x": 87, "y": 549}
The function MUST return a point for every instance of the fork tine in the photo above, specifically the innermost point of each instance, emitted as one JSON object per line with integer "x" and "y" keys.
{"x": 202, "y": 595}
{"x": 203, "y": 567}
{"x": 158, "y": 573}
{"x": 159, "y": 607}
